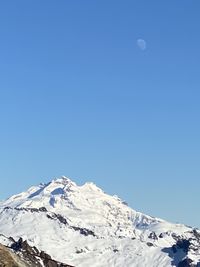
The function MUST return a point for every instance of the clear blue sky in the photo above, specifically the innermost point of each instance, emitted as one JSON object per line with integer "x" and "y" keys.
{"x": 79, "y": 98}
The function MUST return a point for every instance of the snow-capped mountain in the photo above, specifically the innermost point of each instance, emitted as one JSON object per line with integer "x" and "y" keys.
{"x": 83, "y": 226}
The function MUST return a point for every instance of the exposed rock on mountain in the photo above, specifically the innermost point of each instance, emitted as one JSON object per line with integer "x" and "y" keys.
{"x": 9, "y": 259}
{"x": 21, "y": 254}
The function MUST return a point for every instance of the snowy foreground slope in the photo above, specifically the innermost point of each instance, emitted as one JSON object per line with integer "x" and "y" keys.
{"x": 83, "y": 226}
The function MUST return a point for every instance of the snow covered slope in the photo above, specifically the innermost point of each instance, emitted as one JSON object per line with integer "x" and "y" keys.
{"x": 83, "y": 226}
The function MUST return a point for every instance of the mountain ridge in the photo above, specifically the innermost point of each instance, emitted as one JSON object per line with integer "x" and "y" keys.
{"x": 91, "y": 225}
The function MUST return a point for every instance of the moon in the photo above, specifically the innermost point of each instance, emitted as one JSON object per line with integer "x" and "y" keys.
{"x": 141, "y": 43}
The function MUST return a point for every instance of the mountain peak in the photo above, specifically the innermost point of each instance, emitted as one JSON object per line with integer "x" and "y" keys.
{"x": 92, "y": 187}
{"x": 63, "y": 180}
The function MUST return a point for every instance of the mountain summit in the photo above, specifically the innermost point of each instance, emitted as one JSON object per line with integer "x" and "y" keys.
{"x": 84, "y": 226}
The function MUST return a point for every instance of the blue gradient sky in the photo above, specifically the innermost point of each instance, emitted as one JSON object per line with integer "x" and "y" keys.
{"x": 79, "y": 98}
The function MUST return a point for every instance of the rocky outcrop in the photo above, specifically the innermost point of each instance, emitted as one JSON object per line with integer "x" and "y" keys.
{"x": 9, "y": 259}
{"x": 21, "y": 254}
{"x": 153, "y": 236}
{"x": 184, "y": 247}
